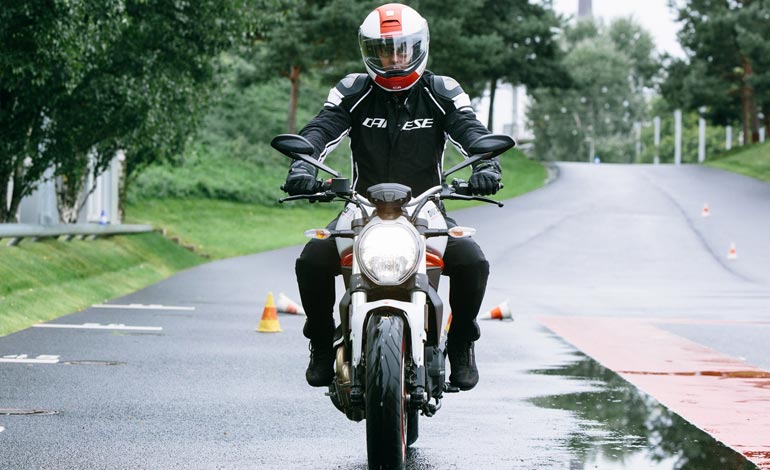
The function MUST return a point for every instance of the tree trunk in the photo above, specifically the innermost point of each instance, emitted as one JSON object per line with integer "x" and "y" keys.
{"x": 16, "y": 193}
{"x": 293, "y": 100}
{"x": 748, "y": 114}
{"x": 122, "y": 187}
{"x": 492, "y": 90}
{"x": 5, "y": 180}
{"x": 70, "y": 196}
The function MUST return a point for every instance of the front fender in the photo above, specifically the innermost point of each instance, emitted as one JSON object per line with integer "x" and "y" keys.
{"x": 414, "y": 314}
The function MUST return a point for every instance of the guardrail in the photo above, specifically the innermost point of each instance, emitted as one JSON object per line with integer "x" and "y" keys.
{"x": 17, "y": 232}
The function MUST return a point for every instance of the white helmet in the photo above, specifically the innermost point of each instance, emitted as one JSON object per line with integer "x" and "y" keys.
{"x": 394, "y": 45}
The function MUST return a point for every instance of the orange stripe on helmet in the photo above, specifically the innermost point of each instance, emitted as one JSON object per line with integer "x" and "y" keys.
{"x": 390, "y": 19}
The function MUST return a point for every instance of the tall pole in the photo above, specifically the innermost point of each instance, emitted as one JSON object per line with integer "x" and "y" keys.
{"x": 701, "y": 140}
{"x": 638, "y": 138}
{"x": 678, "y": 137}
{"x": 656, "y": 123}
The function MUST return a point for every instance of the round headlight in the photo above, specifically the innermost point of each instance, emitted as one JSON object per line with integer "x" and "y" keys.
{"x": 388, "y": 252}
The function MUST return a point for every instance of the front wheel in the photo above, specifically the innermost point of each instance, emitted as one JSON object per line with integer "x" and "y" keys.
{"x": 385, "y": 398}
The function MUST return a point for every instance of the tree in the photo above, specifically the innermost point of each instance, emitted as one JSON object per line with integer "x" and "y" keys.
{"x": 145, "y": 93}
{"x": 311, "y": 36}
{"x": 609, "y": 69}
{"x": 46, "y": 48}
{"x": 481, "y": 42}
{"x": 84, "y": 78}
{"x": 727, "y": 55}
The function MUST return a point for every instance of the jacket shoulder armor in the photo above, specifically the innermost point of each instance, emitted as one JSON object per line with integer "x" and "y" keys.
{"x": 448, "y": 89}
{"x": 349, "y": 87}
{"x": 352, "y": 84}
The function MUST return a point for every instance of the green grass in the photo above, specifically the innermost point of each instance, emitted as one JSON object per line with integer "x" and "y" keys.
{"x": 41, "y": 281}
{"x": 223, "y": 229}
{"x": 753, "y": 161}
{"x": 44, "y": 280}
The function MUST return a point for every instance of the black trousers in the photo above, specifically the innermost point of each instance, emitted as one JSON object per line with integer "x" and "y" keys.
{"x": 464, "y": 263}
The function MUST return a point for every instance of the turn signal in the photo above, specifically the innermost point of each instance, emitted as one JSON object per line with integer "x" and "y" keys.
{"x": 461, "y": 232}
{"x": 318, "y": 233}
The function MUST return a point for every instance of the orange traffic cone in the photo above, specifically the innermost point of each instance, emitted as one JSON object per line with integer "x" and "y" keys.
{"x": 286, "y": 305}
{"x": 732, "y": 253}
{"x": 269, "y": 322}
{"x": 501, "y": 312}
{"x": 706, "y": 211}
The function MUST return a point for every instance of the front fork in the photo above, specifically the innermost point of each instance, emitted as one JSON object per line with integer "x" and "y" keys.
{"x": 415, "y": 314}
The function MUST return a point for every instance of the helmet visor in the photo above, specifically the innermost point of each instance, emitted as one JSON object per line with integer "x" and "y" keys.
{"x": 396, "y": 55}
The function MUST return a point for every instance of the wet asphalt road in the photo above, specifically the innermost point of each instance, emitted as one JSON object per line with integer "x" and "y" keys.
{"x": 208, "y": 392}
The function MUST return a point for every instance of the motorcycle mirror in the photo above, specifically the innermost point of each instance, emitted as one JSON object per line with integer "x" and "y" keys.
{"x": 297, "y": 147}
{"x": 291, "y": 143}
{"x": 491, "y": 145}
{"x": 484, "y": 148}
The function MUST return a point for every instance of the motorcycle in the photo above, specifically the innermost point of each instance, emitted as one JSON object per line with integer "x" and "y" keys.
{"x": 390, "y": 353}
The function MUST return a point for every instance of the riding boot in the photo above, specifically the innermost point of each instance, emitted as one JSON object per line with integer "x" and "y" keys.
{"x": 320, "y": 371}
{"x": 462, "y": 358}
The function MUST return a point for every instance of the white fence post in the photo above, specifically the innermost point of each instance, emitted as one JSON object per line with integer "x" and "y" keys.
{"x": 701, "y": 140}
{"x": 678, "y": 137}
{"x": 656, "y": 123}
{"x": 728, "y": 137}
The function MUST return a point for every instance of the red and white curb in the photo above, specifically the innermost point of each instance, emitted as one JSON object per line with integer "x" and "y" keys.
{"x": 722, "y": 395}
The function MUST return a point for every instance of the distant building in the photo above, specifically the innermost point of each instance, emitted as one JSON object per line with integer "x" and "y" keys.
{"x": 510, "y": 110}
{"x": 101, "y": 206}
{"x": 585, "y": 9}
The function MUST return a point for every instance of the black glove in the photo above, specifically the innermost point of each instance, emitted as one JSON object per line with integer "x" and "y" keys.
{"x": 301, "y": 179}
{"x": 484, "y": 181}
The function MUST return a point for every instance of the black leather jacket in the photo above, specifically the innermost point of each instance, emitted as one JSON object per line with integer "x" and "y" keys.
{"x": 396, "y": 138}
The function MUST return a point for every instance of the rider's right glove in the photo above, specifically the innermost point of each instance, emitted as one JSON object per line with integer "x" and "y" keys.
{"x": 485, "y": 179}
{"x": 301, "y": 179}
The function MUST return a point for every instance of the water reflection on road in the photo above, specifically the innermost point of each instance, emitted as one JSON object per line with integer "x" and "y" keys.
{"x": 626, "y": 429}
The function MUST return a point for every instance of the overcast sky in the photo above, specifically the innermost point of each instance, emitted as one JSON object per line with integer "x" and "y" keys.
{"x": 654, "y": 15}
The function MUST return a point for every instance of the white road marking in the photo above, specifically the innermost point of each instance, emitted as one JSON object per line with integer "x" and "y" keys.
{"x": 2, "y": 429}
{"x": 97, "y": 326}
{"x": 143, "y": 307}
{"x": 24, "y": 359}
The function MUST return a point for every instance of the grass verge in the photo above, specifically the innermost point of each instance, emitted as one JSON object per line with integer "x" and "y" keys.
{"x": 223, "y": 229}
{"x": 753, "y": 161}
{"x": 44, "y": 280}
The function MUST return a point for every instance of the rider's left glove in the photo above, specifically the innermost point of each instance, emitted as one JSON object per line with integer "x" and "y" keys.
{"x": 484, "y": 181}
{"x": 301, "y": 179}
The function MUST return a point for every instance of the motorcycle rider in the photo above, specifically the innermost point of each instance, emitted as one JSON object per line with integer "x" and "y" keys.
{"x": 398, "y": 117}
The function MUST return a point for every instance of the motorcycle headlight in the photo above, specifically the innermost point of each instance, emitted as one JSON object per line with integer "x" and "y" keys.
{"x": 388, "y": 252}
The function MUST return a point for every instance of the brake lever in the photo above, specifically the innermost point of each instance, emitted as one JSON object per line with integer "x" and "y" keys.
{"x": 460, "y": 197}
{"x": 327, "y": 196}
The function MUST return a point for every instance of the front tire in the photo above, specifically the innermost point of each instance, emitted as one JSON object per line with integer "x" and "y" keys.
{"x": 385, "y": 397}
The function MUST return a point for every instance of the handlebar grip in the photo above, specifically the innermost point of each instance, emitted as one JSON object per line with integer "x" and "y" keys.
{"x": 323, "y": 186}
{"x": 461, "y": 187}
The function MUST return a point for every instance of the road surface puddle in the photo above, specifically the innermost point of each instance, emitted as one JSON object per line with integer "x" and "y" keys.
{"x": 623, "y": 428}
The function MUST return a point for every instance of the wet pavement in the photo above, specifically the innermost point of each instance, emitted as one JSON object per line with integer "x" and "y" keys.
{"x": 624, "y": 428}
{"x": 207, "y": 392}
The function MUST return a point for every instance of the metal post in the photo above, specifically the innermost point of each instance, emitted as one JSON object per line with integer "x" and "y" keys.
{"x": 678, "y": 137}
{"x": 701, "y": 140}
{"x": 638, "y": 137}
{"x": 656, "y": 122}
{"x": 728, "y": 137}
{"x": 515, "y": 126}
